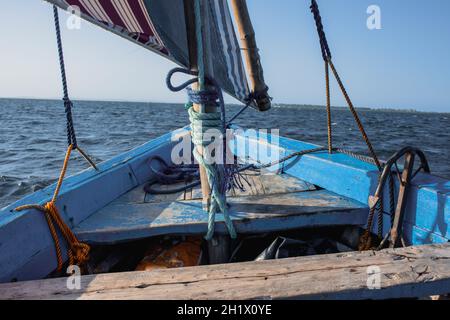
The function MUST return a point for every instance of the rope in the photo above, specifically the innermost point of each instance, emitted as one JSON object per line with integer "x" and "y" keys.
{"x": 217, "y": 177}
{"x": 71, "y": 136}
{"x": 291, "y": 156}
{"x": 171, "y": 175}
{"x": 78, "y": 252}
{"x": 220, "y": 177}
{"x": 229, "y": 122}
{"x": 326, "y": 55}
{"x": 356, "y": 117}
{"x": 329, "y": 125}
{"x": 326, "y": 52}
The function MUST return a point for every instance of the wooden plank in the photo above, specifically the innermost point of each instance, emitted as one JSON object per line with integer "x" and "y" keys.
{"x": 402, "y": 273}
{"x": 119, "y": 222}
{"x": 136, "y": 195}
{"x": 261, "y": 184}
{"x": 155, "y": 198}
{"x": 257, "y": 185}
{"x": 277, "y": 184}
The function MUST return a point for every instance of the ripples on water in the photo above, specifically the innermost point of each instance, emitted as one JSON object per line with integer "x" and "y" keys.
{"x": 33, "y": 140}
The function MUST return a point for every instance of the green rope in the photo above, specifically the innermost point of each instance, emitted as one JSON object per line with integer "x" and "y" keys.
{"x": 200, "y": 124}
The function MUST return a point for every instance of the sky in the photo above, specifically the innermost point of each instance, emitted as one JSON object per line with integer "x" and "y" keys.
{"x": 403, "y": 65}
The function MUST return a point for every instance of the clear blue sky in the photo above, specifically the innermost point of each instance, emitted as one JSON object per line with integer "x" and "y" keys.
{"x": 404, "y": 65}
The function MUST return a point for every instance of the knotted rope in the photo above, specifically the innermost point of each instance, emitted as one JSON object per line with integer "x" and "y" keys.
{"x": 220, "y": 176}
{"x": 201, "y": 123}
{"x": 78, "y": 252}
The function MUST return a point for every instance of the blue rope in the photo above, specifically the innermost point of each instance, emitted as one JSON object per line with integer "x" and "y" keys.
{"x": 71, "y": 136}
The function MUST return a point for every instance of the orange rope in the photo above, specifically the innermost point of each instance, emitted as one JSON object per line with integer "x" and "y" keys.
{"x": 78, "y": 252}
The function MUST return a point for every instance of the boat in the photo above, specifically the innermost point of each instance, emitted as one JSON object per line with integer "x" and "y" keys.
{"x": 286, "y": 194}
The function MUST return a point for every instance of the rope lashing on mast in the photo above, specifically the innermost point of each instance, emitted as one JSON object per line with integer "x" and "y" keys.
{"x": 220, "y": 177}
{"x": 201, "y": 123}
{"x": 78, "y": 252}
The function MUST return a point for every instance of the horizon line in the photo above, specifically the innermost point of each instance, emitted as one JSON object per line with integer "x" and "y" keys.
{"x": 274, "y": 104}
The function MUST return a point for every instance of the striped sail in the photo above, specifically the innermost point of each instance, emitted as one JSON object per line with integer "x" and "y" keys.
{"x": 225, "y": 60}
{"x": 161, "y": 26}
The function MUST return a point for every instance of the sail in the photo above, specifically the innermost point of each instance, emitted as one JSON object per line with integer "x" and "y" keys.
{"x": 162, "y": 27}
{"x": 223, "y": 60}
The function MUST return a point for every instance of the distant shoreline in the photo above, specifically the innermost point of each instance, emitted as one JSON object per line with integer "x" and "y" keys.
{"x": 275, "y": 105}
{"x": 342, "y": 108}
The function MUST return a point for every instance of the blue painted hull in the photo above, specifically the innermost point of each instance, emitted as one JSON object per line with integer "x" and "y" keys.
{"x": 27, "y": 249}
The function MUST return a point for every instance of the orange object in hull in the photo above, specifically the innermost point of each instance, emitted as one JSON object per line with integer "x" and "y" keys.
{"x": 183, "y": 254}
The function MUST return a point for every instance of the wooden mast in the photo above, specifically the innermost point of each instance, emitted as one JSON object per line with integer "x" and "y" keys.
{"x": 251, "y": 54}
{"x": 194, "y": 42}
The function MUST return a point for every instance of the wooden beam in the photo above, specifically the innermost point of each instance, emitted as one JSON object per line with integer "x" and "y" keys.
{"x": 206, "y": 188}
{"x": 251, "y": 54}
{"x": 405, "y": 180}
{"x": 200, "y": 86}
{"x": 120, "y": 222}
{"x": 403, "y": 273}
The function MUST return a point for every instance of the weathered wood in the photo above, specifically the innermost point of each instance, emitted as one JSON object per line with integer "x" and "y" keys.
{"x": 259, "y": 185}
{"x": 255, "y": 184}
{"x": 206, "y": 188}
{"x": 278, "y": 184}
{"x": 136, "y": 195}
{"x": 251, "y": 54}
{"x": 403, "y": 273}
{"x": 119, "y": 222}
{"x": 397, "y": 224}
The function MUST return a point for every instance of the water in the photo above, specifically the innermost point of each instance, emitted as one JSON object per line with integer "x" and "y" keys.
{"x": 33, "y": 140}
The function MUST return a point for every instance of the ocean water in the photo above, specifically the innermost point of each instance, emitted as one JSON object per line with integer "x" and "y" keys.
{"x": 33, "y": 138}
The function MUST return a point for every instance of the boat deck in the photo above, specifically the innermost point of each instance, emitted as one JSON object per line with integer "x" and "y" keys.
{"x": 268, "y": 203}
